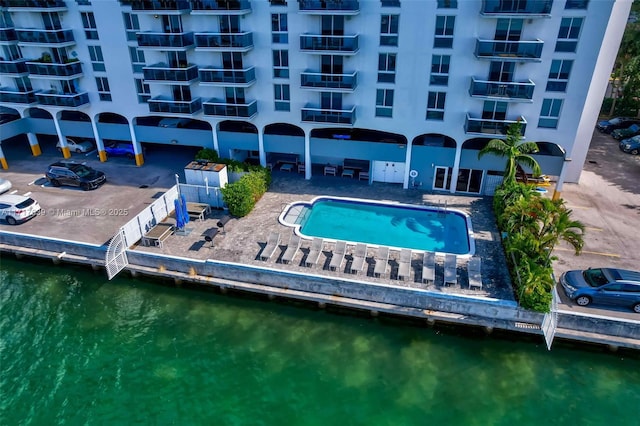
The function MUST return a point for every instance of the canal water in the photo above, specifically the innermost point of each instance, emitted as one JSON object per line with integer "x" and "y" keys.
{"x": 76, "y": 349}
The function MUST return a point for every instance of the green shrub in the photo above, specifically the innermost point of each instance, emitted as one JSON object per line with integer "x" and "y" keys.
{"x": 239, "y": 198}
{"x": 207, "y": 154}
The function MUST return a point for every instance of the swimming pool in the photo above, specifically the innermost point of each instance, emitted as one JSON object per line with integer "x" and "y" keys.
{"x": 379, "y": 223}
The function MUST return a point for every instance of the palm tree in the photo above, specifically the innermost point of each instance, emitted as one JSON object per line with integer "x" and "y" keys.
{"x": 515, "y": 151}
{"x": 561, "y": 226}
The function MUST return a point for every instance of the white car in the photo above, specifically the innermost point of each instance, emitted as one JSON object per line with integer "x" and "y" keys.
{"x": 78, "y": 146}
{"x": 5, "y": 185}
{"x": 17, "y": 208}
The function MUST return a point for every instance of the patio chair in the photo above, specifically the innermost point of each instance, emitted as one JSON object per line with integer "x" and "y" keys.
{"x": 292, "y": 248}
{"x": 450, "y": 271}
{"x": 338, "y": 255}
{"x": 272, "y": 245}
{"x": 314, "y": 252}
{"x": 382, "y": 261}
{"x": 357, "y": 264}
{"x": 428, "y": 267}
{"x": 473, "y": 270}
{"x": 404, "y": 268}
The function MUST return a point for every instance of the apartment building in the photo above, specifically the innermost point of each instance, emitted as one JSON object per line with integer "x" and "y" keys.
{"x": 399, "y": 91}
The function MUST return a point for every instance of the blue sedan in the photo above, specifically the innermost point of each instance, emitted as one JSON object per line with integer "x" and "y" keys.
{"x": 608, "y": 286}
{"x": 120, "y": 149}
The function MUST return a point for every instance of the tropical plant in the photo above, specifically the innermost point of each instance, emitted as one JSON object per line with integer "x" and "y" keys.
{"x": 514, "y": 150}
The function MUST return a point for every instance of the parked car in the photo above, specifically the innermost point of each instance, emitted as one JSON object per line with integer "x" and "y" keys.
{"x": 17, "y": 208}
{"x": 5, "y": 185}
{"x": 119, "y": 149}
{"x": 626, "y": 133}
{"x": 631, "y": 145}
{"x": 608, "y": 126}
{"x": 74, "y": 174}
{"x": 609, "y": 286}
{"x": 77, "y": 145}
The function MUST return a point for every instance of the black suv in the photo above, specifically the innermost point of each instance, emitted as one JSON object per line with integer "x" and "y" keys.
{"x": 74, "y": 174}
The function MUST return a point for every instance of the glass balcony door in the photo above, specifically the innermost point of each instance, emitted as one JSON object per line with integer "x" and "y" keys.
{"x": 235, "y": 95}
{"x": 229, "y": 24}
{"x": 442, "y": 178}
{"x": 172, "y": 23}
{"x": 493, "y": 110}
{"x": 181, "y": 93}
{"x": 333, "y": 25}
{"x": 330, "y": 64}
{"x": 508, "y": 29}
{"x": 232, "y": 60}
{"x": 331, "y": 101}
{"x": 501, "y": 71}
{"x": 51, "y": 21}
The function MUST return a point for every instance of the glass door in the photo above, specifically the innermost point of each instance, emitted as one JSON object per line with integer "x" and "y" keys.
{"x": 469, "y": 181}
{"x": 442, "y": 178}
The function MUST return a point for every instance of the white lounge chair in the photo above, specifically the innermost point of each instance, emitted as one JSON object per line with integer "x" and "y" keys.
{"x": 428, "y": 267}
{"x": 474, "y": 272}
{"x": 292, "y": 248}
{"x": 450, "y": 269}
{"x": 272, "y": 245}
{"x": 404, "y": 268}
{"x": 338, "y": 255}
{"x": 359, "y": 258}
{"x": 382, "y": 261}
{"x": 314, "y": 252}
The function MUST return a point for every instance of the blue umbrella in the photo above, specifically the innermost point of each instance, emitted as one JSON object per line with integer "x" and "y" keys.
{"x": 185, "y": 213}
{"x": 179, "y": 214}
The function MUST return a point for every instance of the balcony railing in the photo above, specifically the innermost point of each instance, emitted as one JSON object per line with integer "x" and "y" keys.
{"x": 509, "y": 50}
{"x": 18, "y": 66}
{"x": 317, "y": 43}
{"x": 226, "y": 77}
{"x": 313, "y": 114}
{"x": 44, "y": 69}
{"x": 13, "y": 96}
{"x": 238, "y": 7}
{"x": 68, "y": 100}
{"x": 34, "y": 36}
{"x": 505, "y": 90}
{"x": 241, "y": 42}
{"x": 324, "y": 81}
{"x": 220, "y": 108}
{"x": 165, "y": 6}
{"x": 163, "y": 104}
{"x": 517, "y": 8}
{"x": 8, "y": 35}
{"x": 159, "y": 40}
{"x": 34, "y": 5}
{"x": 330, "y": 7}
{"x": 492, "y": 127}
{"x": 167, "y": 74}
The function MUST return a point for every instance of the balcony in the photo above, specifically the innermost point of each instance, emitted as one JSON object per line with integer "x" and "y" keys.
{"x": 8, "y": 36}
{"x": 13, "y": 96}
{"x": 165, "y": 41}
{"x": 516, "y": 8}
{"x": 329, "y": 82}
{"x": 67, "y": 100}
{"x": 213, "y": 7}
{"x": 34, "y": 5}
{"x": 495, "y": 128}
{"x": 521, "y": 51}
{"x": 329, "y": 7}
{"x": 334, "y": 44}
{"x": 225, "y": 77}
{"x": 16, "y": 68}
{"x": 55, "y": 71}
{"x": 163, "y": 73}
{"x": 224, "y": 42}
{"x": 503, "y": 90}
{"x": 312, "y": 114}
{"x": 47, "y": 38}
{"x": 165, "y": 7}
{"x": 220, "y": 108}
{"x": 163, "y": 104}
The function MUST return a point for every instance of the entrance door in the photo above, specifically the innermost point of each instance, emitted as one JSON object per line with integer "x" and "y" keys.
{"x": 442, "y": 178}
{"x": 388, "y": 171}
{"x": 469, "y": 180}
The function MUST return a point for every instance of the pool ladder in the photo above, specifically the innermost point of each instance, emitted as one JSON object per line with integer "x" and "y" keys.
{"x": 443, "y": 207}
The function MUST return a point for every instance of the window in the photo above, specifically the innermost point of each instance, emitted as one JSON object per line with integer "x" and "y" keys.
{"x": 390, "y": 3}
{"x": 494, "y": 110}
{"x": 97, "y": 60}
{"x": 103, "y": 88}
{"x": 389, "y": 30}
{"x": 282, "y": 97}
{"x": 444, "y": 31}
{"x": 447, "y": 4}
{"x": 143, "y": 90}
{"x": 559, "y": 75}
{"x": 281, "y": 63}
{"x": 89, "y": 24}
{"x": 439, "y": 70}
{"x": 137, "y": 58}
{"x": 278, "y": 2}
{"x": 550, "y": 113}
{"x": 568, "y": 35}
{"x": 435, "y": 105}
{"x": 279, "y": 28}
{"x": 387, "y": 68}
{"x": 576, "y": 4}
{"x": 384, "y": 102}
{"x": 132, "y": 25}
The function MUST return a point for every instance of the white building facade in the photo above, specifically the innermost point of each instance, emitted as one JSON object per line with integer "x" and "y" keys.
{"x": 397, "y": 91}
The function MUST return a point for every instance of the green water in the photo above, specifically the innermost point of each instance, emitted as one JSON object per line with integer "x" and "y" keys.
{"x": 76, "y": 349}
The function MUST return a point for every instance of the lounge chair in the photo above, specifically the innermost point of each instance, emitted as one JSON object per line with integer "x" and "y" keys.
{"x": 473, "y": 270}
{"x": 338, "y": 255}
{"x": 428, "y": 267}
{"x": 404, "y": 268}
{"x": 359, "y": 258}
{"x": 382, "y": 261}
{"x": 292, "y": 248}
{"x": 272, "y": 245}
{"x": 314, "y": 252}
{"x": 450, "y": 271}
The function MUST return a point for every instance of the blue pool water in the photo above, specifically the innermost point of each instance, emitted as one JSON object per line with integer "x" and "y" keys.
{"x": 394, "y": 225}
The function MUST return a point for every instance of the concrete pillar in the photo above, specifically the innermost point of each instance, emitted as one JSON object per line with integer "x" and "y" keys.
{"x": 407, "y": 169}
{"x": 456, "y": 167}
{"x": 488, "y": 330}
{"x": 557, "y": 192}
{"x": 431, "y": 322}
{"x": 374, "y": 313}
{"x": 102, "y": 154}
{"x": 3, "y": 160}
{"x": 66, "y": 153}
{"x": 271, "y": 296}
{"x": 133, "y": 274}
{"x": 261, "y": 153}
{"x": 223, "y": 290}
{"x": 215, "y": 138}
{"x": 307, "y": 154}
{"x": 322, "y": 305}
{"x": 35, "y": 145}
{"x": 177, "y": 282}
{"x": 137, "y": 149}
